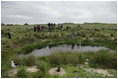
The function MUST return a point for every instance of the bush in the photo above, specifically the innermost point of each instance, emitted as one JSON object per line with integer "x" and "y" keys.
{"x": 28, "y": 61}
{"x": 27, "y": 49}
{"x": 54, "y": 59}
{"x": 22, "y": 73}
{"x": 74, "y": 58}
{"x": 66, "y": 58}
{"x": 104, "y": 59}
{"x": 26, "y": 24}
{"x": 43, "y": 66}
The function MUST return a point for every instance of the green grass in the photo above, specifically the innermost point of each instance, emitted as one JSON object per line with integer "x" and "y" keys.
{"x": 28, "y": 61}
{"x": 70, "y": 61}
{"x": 104, "y": 59}
{"x": 22, "y": 73}
{"x": 24, "y": 40}
{"x": 65, "y": 58}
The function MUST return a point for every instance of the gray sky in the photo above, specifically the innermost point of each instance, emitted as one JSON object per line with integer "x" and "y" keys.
{"x": 40, "y": 12}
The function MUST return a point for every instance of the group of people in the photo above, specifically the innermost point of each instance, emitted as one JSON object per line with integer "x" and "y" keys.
{"x": 60, "y": 26}
{"x": 38, "y": 28}
{"x": 51, "y": 26}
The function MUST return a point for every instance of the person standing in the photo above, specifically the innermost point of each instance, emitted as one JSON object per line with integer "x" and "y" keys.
{"x": 61, "y": 26}
{"x": 37, "y": 28}
{"x": 73, "y": 34}
{"x": 58, "y": 26}
{"x": 49, "y": 24}
{"x": 34, "y": 28}
{"x": 9, "y": 34}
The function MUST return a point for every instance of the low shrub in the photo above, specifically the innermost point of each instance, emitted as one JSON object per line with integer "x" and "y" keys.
{"x": 74, "y": 58}
{"x": 43, "y": 66}
{"x": 28, "y": 61}
{"x": 65, "y": 58}
{"x": 104, "y": 59}
{"x": 22, "y": 73}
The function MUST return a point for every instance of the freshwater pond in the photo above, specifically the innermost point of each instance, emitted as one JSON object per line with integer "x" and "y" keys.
{"x": 63, "y": 48}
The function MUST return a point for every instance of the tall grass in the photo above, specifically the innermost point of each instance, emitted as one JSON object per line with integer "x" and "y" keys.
{"x": 43, "y": 66}
{"x": 104, "y": 59}
{"x": 22, "y": 73}
{"x": 66, "y": 58}
{"x": 28, "y": 61}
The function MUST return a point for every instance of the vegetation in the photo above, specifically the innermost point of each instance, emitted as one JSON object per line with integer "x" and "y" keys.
{"x": 104, "y": 59}
{"x": 22, "y": 73}
{"x": 24, "y": 40}
{"x": 66, "y": 58}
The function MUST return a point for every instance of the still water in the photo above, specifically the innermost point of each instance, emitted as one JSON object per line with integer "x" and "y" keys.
{"x": 63, "y": 48}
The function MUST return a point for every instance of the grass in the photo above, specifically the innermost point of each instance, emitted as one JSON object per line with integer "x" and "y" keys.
{"x": 101, "y": 59}
{"x": 38, "y": 45}
{"x": 65, "y": 58}
{"x": 24, "y": 40}
{"x": 70, "y": 61}
{"x": 104, "y": 59}
{"x": 28, "y": 61}
{"x": 22, "y": 73}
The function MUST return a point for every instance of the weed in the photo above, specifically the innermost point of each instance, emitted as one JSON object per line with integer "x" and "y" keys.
{"x": 28, "y": 61}
{"x": 104, "y": 59}
{"x": 22, "y": 73}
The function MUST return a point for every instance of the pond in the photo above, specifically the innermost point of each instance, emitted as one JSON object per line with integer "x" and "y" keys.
{"x": 63, "y": 48}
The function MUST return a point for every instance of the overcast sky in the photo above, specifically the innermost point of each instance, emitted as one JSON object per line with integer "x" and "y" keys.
{"x": 41, "y": 12}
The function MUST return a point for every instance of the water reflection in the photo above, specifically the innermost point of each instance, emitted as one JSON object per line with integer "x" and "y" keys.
{"x": 64, "y": 48}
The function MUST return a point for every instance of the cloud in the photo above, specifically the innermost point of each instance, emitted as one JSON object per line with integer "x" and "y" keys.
{"x": 20, "y": 12}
